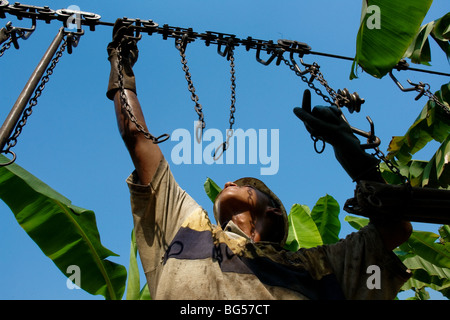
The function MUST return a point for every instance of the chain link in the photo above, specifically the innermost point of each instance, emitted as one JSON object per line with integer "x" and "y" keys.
{"x": 433, "y": 97}
{"x": 315, "y": 74}
{"x": 224, "y": 146}
{"x": 181, "y": 46}
{"x": 395, "y": 170}
{"x": 12, "y": 141}
{"x": 6, "y": 46}
{"x": 126, "y": 106}
{"x": 314, "y": 70}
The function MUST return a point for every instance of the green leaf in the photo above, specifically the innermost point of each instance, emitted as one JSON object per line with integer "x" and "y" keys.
{"x": 303, "y": 232}
{"x": 441, "y": 34}
{"x": 424, "y": 245}
{"x": 67, "y": 234}
{"x": 444, "y": 232}
{"x": 133, "y": 286}
{"x": 145, "y": 293}
{"x": 439, "y": 30}
{"x": 426, "y": 274}
{"x": 326, "y": 217}
{"x": 419, "y": 51}
{"x": 356, "y": 222}
{"x": 432, "y": 124}
{"x": 380, "y": 48}
{"x": 211, "y": 189}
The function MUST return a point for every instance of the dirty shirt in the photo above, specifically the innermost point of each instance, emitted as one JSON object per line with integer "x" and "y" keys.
{"x": 185, "y": 256}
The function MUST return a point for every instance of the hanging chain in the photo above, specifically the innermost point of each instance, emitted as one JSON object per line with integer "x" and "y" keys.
{"x": 12, "y": 141}
{"x": 433, "y": 97}
{"x": 126, "y": 106}
{"x": 224, "y": 146}
{"x": 395, "y": 170}
{"x": 317, "y": 75}
{"x": 6, "y": 46}
{"x": 314, "y": 70}
{"x": 181, "y": 46}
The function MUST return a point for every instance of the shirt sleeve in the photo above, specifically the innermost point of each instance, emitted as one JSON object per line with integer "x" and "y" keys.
{"x": 364, "y": 268}
{"x": 158, "y": 209}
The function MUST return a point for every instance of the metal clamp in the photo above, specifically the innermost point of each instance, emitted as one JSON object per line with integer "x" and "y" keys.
{"x": 19, "y": 32}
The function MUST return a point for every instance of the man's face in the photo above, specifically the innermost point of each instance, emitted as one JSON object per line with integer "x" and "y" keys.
{"x": 234, "y": 199}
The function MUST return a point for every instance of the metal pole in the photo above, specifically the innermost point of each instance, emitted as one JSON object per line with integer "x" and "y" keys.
{"x": 21, "y": 102}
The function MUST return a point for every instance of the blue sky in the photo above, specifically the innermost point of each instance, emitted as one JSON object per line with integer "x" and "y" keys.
{"x": 71, "y": 141}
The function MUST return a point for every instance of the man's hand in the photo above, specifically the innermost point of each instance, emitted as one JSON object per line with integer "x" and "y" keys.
{"x": 328, "y": 124}
{"x": 125, "y": 45}
{"x": 325, "y": 123}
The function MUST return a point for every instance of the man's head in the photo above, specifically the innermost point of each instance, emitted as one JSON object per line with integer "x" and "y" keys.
{"x": 255, "y": 207}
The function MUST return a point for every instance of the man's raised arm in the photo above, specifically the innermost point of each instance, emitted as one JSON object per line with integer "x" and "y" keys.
{"x": 327, "y": 123}
{"x": 145, "y": 155}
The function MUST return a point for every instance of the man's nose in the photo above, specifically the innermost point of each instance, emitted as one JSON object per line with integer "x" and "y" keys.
{"x": 230, "y": 184}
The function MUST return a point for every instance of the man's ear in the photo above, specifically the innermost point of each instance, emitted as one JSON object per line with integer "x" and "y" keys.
{"x": 276, "y": 211}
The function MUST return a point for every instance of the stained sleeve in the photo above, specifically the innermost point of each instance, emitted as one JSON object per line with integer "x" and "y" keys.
{"x": 364, "y": 268}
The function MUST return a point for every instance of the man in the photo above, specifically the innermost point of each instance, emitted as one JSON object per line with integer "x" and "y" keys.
{"x": 185, "y": 256}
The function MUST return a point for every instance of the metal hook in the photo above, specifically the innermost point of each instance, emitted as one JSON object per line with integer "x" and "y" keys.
{"x": 73, "y": 38}
{"x": 199, "y": 130}
{"x": 372, "y": 140}
{"x": 181, "y": 43}
{"x": 228, "y": 48}
{"x": 277, "y": 52}
{"x": 419, "y": 87}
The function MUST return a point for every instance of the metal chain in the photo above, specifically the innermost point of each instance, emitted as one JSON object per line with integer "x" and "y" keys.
{"x": 12, "y": 141}
{"x": 224, "y": 146}
{"x": 433, "y": 97}
{"x": 126, "y": 106}
{"x": 5, "y": 46}
{"x": 316, "y": 74}
{"x": 314, "y": 70}
{"x": 181, "y": 46}
{"x": 395, "y": 170}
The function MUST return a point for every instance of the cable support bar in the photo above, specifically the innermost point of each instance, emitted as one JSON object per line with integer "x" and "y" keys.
{"x": 274, "y": 49}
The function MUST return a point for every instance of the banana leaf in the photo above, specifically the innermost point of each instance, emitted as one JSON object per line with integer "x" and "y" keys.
{"x": 431, "y": 124}
{"x": 424, "y": 245}
{"x": 303, "y": 232}
{"x": 326, "y": 217}
{"x": 211, "y": 189}
{"x": 133, "y": 288}
{"x": 426, "y": 274}
{"x": 419, "y": 50}
{"x": 379, "y": 49}
{"x": 67, "y": 234}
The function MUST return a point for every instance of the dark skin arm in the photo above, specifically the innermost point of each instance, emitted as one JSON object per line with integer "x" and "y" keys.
{"x": 327, "y": 123}
{"x": 145, "y": 155}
